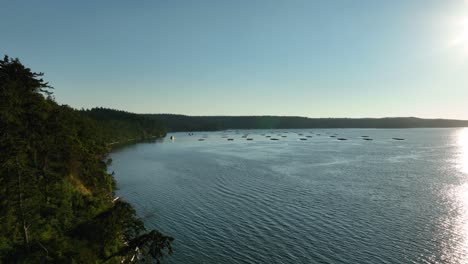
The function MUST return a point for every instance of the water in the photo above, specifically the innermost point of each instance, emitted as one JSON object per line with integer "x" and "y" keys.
{"x": 318, "y": 200}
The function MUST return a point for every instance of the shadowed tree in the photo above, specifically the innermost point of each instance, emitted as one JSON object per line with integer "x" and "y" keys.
{"x": 54, "y": 181}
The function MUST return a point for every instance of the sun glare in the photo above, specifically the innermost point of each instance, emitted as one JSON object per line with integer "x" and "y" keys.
{"x": 461, "y": 34}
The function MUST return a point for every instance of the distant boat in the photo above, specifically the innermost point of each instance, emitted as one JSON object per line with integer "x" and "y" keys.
{"x": 250, "y": 139}
{"x": 303, "y": 138}
{"x": 368, "y": 139}
{"x": 201, "y": 139}
{"x": 230, "y": 139}
{"x": 342, "y": 139}
{"x": 172, "y": 137}
{"x": 398, "y": 139}
{"x": 274, "y": 139}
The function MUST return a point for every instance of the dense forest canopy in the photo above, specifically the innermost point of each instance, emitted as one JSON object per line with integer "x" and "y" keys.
{"x": 171, "y": 122}
{"x": 56, "y": 197}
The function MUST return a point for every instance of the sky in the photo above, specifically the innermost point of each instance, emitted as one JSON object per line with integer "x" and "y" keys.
{"x": 314, "y": 58}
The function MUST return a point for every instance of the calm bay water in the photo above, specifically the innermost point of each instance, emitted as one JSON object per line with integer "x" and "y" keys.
{"x": 319, "y": 200}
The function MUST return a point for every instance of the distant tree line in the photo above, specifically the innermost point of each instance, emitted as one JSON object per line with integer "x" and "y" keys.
{"x": 118, "y": 126}
{"x": 56, "y": 197}
{"x": 208, "y": 123}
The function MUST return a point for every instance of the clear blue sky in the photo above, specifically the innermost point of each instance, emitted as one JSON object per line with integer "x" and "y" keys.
{"x": 327, "y": 58}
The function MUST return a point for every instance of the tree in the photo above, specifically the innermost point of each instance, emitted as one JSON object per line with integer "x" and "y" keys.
{"x": 54, "y": 181}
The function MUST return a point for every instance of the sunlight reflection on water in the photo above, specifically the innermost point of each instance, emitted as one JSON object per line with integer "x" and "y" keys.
{"x": 459, "y": 244}
{"x": 463, "y": 145}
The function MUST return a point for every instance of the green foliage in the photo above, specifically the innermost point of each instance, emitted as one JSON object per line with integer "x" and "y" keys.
{"x": 55, "y": 194}
{"x": 119, "y": 127}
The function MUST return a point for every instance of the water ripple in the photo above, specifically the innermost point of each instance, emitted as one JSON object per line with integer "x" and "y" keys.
{"x": 315, "y": 201}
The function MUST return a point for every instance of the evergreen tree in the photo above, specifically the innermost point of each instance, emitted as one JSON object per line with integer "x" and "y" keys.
{"x": 55, "y": 192}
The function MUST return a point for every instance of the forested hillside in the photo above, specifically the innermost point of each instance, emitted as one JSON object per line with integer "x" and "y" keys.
{"x": 118, "y": 126}
{"x": 198, "y": 123}
{"x": 56, "y": 198}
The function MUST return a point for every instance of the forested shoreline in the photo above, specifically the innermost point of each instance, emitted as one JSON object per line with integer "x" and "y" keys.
{"x": 209, "y": 123}
{"x": 56, "y": 197}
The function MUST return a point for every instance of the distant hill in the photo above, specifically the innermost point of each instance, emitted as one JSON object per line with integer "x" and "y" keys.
{"x": 197, "y": 123}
